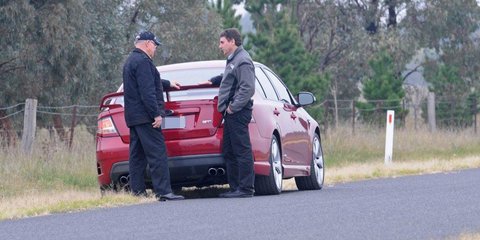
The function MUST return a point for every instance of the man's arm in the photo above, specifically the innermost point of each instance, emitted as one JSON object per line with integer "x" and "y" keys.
{"x": 214, "y": 81}
{"x": 146, "y": 88}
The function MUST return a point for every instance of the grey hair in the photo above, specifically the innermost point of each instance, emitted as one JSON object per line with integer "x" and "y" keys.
{"x": 138, "y": 42}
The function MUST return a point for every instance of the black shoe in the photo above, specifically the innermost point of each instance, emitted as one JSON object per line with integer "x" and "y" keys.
{"x": 140, "y": 194}
{"x": 222, "y": 195}
{"x": 170, "y": 197}
{"x": 238, "y": 194}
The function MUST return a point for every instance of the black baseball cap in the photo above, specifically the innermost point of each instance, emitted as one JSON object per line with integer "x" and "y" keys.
{"x": 147, "y": 35}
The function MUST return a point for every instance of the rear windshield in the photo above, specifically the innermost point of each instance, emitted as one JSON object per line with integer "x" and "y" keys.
{"x": 192, "y": 77}
{"x": 188, "y": 77}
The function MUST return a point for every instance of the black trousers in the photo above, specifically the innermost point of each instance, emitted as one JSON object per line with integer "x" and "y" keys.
{"x": 237, "y": 151}
{"x": 147, "y": 145}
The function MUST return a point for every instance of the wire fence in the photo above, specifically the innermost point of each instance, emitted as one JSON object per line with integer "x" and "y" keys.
{"x": 408, "y": 113}
{"x": 62, "y": 120}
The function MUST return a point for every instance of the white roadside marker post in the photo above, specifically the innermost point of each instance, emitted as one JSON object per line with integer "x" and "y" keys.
{"x": 389, "y": 137}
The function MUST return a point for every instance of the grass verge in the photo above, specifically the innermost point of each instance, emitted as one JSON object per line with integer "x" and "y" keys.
{"x": 363, "y": 171}
{"x": 43, "y": 203}
{"x": 56, "y": 179}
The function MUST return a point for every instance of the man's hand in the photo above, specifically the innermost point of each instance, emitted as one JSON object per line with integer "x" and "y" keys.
{"x": 205, "y": 83}
{"x": 229, "y": 111}
{"x": 158, "y": 122}
{"x": 175, "y": 84}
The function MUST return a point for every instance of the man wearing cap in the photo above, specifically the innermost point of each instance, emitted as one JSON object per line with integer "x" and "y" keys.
{"x": 144, "y": 110}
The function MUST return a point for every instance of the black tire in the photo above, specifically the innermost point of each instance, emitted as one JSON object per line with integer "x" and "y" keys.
{"x": 271, "y": 184}
{"x": 317, "y": 169}
{"x": 113, "y": 188}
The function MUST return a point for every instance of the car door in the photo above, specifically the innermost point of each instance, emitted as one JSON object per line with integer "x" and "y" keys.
{"x": 266, "y": 112}
{"x": 297, "y": 143}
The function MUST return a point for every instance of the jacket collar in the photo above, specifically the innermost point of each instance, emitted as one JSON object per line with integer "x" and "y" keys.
{"x": 138, "y": 50}
{"x": 232, "y": 56}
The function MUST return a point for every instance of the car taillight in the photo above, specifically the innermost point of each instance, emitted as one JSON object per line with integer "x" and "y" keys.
{"x": 106, "y": 127}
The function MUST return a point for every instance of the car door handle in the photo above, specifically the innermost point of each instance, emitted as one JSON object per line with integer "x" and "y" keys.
{"x": 276, "y": 112}
{"x": 293, "y": 116}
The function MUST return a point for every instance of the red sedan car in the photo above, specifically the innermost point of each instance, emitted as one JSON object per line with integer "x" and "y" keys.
{"x": 285, "y": 138}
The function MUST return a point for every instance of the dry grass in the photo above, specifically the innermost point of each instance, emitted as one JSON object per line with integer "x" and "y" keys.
{"x": 361, "y": 171}
{"x": 341, "y": 147}
{"x": 56, "y": 179}
{"x": 37, "y": 203}
{"x": 51, "y": 166}
{"x": 466, "y": 236}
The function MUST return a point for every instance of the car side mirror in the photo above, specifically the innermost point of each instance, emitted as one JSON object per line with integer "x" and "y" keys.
{"x": 305, "y": 98}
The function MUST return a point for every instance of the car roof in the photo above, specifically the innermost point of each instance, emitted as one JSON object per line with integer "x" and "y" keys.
{"x": 194, "y": 65}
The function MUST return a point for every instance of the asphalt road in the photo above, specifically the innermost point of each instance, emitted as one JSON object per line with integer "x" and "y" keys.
{"x": 432, "y": 206}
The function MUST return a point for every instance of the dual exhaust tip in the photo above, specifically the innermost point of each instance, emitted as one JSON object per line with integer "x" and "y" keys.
{"x": 124, "y": 180}
{"x": 216, "y": 171}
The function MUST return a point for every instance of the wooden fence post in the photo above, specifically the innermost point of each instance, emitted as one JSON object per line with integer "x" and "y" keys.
{"x": 353, "y": 117}
{"x": 475, "y": 111}
{"x": 29, "y": 125}
{"x": 431, "y": 112}
{"x": 325, "y": 120}
{"x": 72, "y": 127}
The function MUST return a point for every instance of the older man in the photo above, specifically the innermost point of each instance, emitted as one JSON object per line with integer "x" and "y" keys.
{"x": 144, "y": 110}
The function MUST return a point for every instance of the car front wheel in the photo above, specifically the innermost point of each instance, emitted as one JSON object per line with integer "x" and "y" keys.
{"x": 317, "y": 171}
{"x": 271, "y": 184}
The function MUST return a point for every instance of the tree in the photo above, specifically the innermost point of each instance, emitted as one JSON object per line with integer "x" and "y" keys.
{"x": 186, "y": 35}
{"x": 71, "y": 52}
{"x": 382, "y": 90}
{"x": 12, "y": 67}
{"x": 52, "y": 50}
{"x": 108, "y": 35}
{"x": 282, "y": 49}
{"x": 337, "y": 32}
{"x": 225, "y": 9}
{"x": 451, "y": 29}
{"x": 453, "y": 98}
{"x": 333, "y": 33}
{"x": 286, "y": 55}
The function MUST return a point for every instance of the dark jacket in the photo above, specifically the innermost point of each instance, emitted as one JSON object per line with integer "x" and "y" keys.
{"x": 143, "y": 89}
{"x": 237, "y": 85}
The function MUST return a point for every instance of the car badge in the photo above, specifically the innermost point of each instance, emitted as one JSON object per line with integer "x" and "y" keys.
{"x": 206, "y": 121}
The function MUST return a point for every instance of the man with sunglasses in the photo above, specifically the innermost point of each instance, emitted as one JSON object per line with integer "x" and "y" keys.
{"x": 144, "y": 111}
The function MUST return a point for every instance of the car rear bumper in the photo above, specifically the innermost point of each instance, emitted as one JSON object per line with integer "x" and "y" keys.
{"x": 189, "y": 170}
{"x": 184, "y": 171}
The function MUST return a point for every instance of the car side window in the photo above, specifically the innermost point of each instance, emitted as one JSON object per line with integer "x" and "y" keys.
{"x": 259, "y": 89}
{"x": 281, "y": 89}
{"x": 294, "y": 101}
{"x": 266, "y": 85}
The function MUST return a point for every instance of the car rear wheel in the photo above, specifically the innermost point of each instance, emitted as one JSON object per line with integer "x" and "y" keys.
{"x": 317, "y": 171}
{"x": 271, "y": 184}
